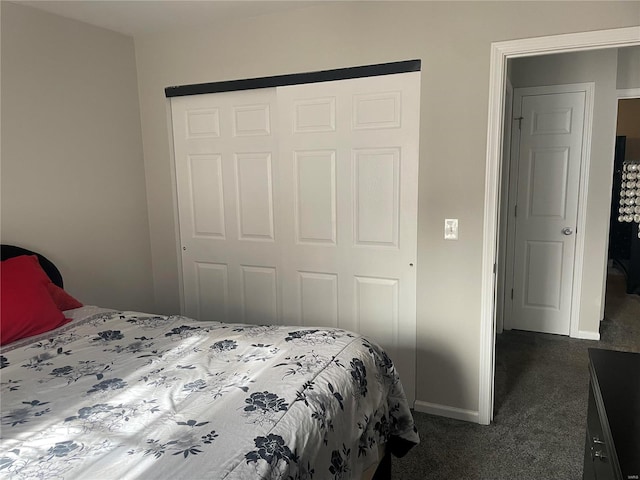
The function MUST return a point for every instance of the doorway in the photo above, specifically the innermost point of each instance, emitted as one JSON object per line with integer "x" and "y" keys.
{"x": 624, "y": 239}
{"x": 622, "y": 306}
{"x": 501, "y": 52}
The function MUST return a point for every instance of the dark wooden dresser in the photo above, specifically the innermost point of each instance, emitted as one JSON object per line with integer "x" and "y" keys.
{"x": 612, "y": 448}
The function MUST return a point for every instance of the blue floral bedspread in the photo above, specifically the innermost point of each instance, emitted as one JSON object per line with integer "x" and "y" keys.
{"x": 128, "y": 395}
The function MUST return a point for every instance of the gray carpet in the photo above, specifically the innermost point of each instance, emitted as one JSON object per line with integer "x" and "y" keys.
{"x": 541, "y": 389}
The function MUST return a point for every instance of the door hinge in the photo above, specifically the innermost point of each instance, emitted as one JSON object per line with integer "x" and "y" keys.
{"x": 494, "y": 268}
{"x": 519, "y": 119}
{"x": 512, "y": 294}
{"x": 515, "y": 211}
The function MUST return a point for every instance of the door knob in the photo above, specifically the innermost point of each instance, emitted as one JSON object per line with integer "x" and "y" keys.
{"x": 567, "y": 230}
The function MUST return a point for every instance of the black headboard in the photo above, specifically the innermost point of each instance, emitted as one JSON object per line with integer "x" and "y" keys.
{"x": 10, "y": 251}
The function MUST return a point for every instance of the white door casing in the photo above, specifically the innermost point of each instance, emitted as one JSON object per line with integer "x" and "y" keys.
{"x": 546, "y": 165}
{"x": 501, "y": 52}
{"x": 298, "y": 205}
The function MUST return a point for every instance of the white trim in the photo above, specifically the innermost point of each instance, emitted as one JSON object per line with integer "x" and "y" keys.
{"x": 585, "y": 166}
{"x": 569, "y": 42}
{"x": 585, "y": 335}
{"x": 446, "y": 411}
{"x": 622, "y": 93}
{"x": 497, "y": 78}
{"x": 500, "y": 53}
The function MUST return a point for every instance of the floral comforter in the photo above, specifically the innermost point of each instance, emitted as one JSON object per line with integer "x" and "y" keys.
{"x": 130, "y": 395}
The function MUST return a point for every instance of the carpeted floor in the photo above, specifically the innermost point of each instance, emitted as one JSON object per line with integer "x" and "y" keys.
{"x": 541, "y": 388}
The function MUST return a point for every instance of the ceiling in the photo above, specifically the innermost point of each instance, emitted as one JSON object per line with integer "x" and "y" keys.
{"x": 138, "y": 17}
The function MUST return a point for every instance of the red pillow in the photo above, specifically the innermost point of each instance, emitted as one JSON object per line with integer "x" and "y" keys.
{"x": 61, "y": 298}
{"x": 26, "y": 307}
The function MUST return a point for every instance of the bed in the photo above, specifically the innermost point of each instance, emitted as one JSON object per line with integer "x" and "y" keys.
{"x": 113, "y": 394}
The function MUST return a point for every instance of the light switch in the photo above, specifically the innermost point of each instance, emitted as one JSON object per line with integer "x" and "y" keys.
{"x": 450, "y": 228}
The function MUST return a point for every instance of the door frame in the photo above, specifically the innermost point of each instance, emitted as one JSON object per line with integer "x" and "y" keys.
{"x": 500, "y": 53}
{"x": 583, "y": 186}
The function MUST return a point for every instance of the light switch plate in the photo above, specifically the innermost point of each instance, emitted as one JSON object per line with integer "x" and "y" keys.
{"x": 451, "y": 229}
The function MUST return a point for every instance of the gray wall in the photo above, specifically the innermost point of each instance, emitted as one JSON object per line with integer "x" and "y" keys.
{"x": 453, "y": 40}
{"x": 600, "y": 67}
{"x": 73, "y": 183}
{"x": 628, "y": 68}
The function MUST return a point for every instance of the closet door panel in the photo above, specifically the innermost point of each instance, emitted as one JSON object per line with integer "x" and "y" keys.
{"x": 348, "y": 172}
{"x": 226, "y": 174}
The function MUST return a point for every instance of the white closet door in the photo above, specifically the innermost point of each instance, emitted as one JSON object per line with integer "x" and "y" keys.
{"x": 298, "y": 205}
{"x": 349, "y": 169}
{"x": 226, "y": 168}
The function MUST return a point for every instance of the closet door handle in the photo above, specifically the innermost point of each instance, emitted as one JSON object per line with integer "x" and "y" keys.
{"x": 567, "y": 231}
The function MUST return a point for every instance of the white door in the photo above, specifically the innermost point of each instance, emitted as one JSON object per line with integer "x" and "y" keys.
{"x": 349, "y": 166}
{"x": 226, "y": 158}
{"x": 298, "y": 206}
{"x": 547, "y": 185}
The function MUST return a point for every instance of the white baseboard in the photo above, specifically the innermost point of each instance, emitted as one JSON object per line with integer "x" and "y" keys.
{"x": 446, "y": 411}
{"x": 587, "y": 335}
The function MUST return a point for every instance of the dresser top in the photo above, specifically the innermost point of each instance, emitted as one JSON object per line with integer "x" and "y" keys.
{"x": 616, "y": 379}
